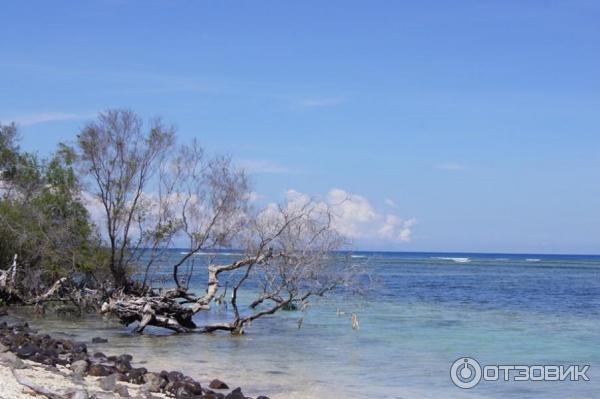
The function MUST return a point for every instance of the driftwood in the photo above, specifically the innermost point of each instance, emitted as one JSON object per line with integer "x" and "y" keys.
{"x": 26, "y": 382}
{"x": 160, "y": 311}
{"x": 165, "y": 311}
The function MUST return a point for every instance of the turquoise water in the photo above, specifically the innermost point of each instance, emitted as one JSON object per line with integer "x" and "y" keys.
{"x": 428, "y": 310}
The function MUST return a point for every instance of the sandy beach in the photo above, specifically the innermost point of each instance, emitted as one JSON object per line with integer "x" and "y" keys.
{"x": 60, "y": 381}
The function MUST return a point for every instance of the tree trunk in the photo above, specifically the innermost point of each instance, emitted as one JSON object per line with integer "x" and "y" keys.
{"x": 157, "y": 311}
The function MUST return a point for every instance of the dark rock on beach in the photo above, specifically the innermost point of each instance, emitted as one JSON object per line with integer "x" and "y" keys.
{"x": 99, "y": 340}
{"x": 98, "y": 370}
{"x": 154, "y": 382}
{"x": 236, "y": 394}
{"x": 20, "y": 342}
{"x": 217, "y": 384}
{"x": 136, "y": 376}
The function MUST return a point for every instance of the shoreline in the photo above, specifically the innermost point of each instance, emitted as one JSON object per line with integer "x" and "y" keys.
{"x": 34, "y": 364}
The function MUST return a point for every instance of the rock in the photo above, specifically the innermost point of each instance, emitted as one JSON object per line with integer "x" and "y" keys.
{"x": 67, "y": 345}
{"x": 236, "y": 394}
{"x": 185, "y": 388}
{"x": 98, "y": 370}
{"x": 108, "y": 383}
{"x": 79, "y": 367}
{"x": 79, "y": 356}
{"x": 217, "y": 384}
{"x": 125, "y": 358}
{"x": 4, "y": 348}
{"x": 26, "y": 351}
{"x": 173, "y": 376}
{"x": 154, "y": 382}
{"x": 79, "y": 348}
{"x": 122, "y": 391}
{"x": 99, "y": 340}
{"x": 136, "y": 376}
{"x": 122, "y": 366}
{"x": 262, "y": 397}
{"x": 40, "y": 358}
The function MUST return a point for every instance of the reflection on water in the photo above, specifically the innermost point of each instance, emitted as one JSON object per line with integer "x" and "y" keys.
{"x": 430, "y": 310}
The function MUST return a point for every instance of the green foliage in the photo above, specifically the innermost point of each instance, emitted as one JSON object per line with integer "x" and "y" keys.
{"x": 42, "y": 215}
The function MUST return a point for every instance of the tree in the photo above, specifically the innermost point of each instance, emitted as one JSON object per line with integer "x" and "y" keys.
{"x": 121, "y": 160}
{"x": 157, "y": 195}
{"x": 42, "y": 218}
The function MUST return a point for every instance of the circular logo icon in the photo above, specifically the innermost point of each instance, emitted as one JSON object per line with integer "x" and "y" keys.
{"x": 465, "y": 372}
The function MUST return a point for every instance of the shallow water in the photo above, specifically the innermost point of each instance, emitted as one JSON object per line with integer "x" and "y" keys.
{"x": 430, "y": 309}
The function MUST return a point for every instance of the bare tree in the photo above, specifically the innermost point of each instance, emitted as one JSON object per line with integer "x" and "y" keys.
{"x": 156, "y": 195}
{"x": 289, "y": 259}
{"x": 121, "y": 159}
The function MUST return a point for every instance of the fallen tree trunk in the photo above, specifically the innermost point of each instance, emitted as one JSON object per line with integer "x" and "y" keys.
{"x": 159, "y": 311}
{"x": 38, "y": 389}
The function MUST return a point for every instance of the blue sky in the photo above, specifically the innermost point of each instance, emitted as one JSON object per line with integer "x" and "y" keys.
{"x": 473, "y": 124}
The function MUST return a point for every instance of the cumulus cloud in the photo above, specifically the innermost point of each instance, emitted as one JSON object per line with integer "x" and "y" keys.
{"x": 390, "y": 202}
{"x": 46, "y": 117}
{"x": 353, "y": 215}
{"x": 356, "y": 218}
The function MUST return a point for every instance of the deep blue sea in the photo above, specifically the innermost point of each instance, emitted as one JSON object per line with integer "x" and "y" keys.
{"x": 427, "y": 310}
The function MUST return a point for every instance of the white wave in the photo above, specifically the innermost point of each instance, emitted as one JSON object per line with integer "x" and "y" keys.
{"x": 357, "y": 256}
{"x": 456, "y": 260}
{"x": 533, "y": 260}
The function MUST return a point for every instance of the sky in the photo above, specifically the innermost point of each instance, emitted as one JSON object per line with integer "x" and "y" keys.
{"x": 451, "y": 125}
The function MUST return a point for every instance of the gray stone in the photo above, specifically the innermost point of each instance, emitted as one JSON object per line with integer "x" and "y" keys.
{"x": 79, "y": 367}
{"x": 154, "y": 382}
{"x": 108, "y": 383}
{"x": 122, "y": 391}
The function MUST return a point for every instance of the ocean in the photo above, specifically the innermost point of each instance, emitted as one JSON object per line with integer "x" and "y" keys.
{"x": 428, "y": 309}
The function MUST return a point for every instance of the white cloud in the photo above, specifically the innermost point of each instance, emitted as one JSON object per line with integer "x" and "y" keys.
{"x": 396, "y": 229}
{"x": 356, "y": 218}
{"x": 253, "y": 196}
{"x": 452, "y": 166}
{"x": 264, "y": 166}
{"x": 46, "y": 117}
{"x": 390, "y": 202}
{"x": 94, "y": 207}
